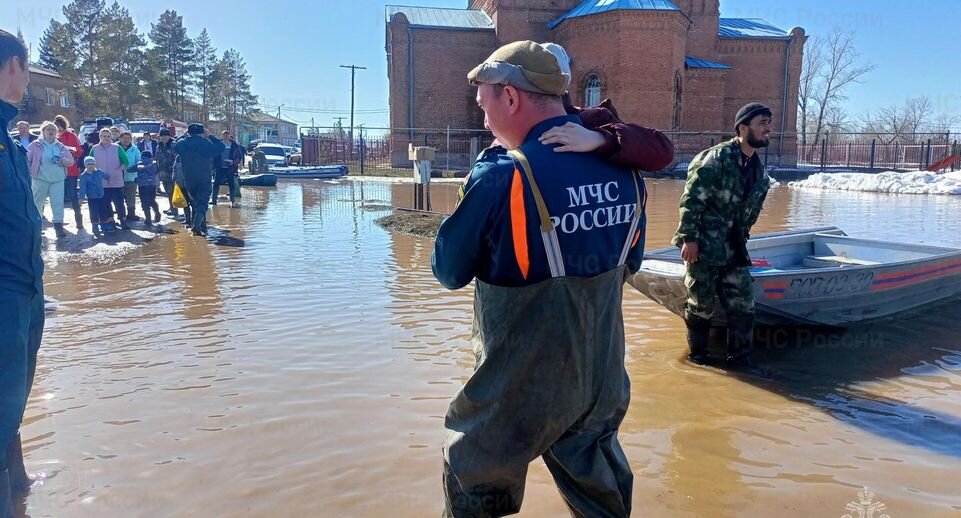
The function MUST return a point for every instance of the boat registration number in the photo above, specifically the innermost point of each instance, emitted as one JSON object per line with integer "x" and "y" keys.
{"x": 822, "y": 286}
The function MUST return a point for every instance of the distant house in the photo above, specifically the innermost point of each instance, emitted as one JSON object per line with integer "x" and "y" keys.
{"x": 272, "y": 129}
{"x": 47, "y": 95}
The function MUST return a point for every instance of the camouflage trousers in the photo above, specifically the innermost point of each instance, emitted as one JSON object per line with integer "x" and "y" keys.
{"x": 732, "y": 285}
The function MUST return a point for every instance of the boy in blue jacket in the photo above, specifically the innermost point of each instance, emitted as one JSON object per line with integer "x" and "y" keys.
{"x": 91, "y": 188}
{"x": 147, "y": 182}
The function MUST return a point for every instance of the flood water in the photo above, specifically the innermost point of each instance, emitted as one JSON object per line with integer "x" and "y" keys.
{"x": 307, "y": 373}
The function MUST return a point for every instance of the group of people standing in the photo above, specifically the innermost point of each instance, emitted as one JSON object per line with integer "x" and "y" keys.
{"x": 62, "y": 172}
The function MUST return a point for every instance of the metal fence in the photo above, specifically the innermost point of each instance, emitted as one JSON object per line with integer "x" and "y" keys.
{"x": 862, "y": 151}
{"x": 377, "y": 151}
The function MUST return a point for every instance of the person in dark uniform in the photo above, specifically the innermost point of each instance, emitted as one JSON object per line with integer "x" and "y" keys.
{"x": 550, "y": 239}
{"x": 21, "y": 276}
{"x": 725, "y": 190}
{"x": 197, "y": 151}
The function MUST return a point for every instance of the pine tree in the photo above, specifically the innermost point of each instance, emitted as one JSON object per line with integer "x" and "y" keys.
{"x": 124, "y": 52}
{"x": 174, "y": 51}
{"x": 49, "y": 50}
{"x": 205, "y": 72}
{"x": 232, "y": 97}
{"x": 78, "y": 44}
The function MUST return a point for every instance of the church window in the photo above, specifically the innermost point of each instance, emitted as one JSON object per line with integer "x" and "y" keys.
{"x": 592, "y": 91}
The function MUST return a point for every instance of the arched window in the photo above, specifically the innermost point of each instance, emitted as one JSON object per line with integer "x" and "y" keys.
{"x": 676, "y": 119}
{"x": 592, "y": 91}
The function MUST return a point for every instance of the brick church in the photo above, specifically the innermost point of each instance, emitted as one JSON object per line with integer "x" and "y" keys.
{"x": 673, "y": 65}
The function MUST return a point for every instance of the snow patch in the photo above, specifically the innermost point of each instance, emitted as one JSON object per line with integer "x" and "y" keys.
{"x": 913, "y": 182}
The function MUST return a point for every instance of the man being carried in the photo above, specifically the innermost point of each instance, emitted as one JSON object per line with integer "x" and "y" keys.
{"x": 726, "y": 187}
{"x": 550, "y": 238}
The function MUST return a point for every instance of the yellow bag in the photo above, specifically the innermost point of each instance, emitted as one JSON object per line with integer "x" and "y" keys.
{"x": 178, "y": 200}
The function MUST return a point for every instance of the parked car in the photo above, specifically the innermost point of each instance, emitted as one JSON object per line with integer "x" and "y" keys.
{"x": 275, "y": 154}
{"x": 89, "y": 126}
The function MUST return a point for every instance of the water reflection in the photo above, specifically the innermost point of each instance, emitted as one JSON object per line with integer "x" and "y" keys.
{"x": 859, "y": 376}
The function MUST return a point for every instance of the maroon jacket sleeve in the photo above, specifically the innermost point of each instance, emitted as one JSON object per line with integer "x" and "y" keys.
{"x": 628, "y": 145}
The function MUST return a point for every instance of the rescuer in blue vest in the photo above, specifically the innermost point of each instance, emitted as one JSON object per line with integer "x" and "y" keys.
{"x": 550, "y": 238}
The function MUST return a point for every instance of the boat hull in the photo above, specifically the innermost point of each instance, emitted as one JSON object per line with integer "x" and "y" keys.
{"x": 835, "y": 297}
{"x": 259, "y": 180}
{"x": 314, "y": 172}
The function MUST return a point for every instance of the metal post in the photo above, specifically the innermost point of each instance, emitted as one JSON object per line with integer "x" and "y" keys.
{"x": 927, "y": 156}
{"x": 847, "y": 158}
{"x": 823, "y": 151}
{"x": 448, "y": 157}
{"x": 363, "y": 152}
{"x": 874, "y": 143}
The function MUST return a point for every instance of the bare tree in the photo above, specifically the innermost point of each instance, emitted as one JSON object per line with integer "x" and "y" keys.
{"x": 811, "y": 69}
{"x": 944, "y": 123}
{"x": 918, "y": 113}
{"x": 902, "y": 123}
{"x": 842, "y": 68}
{"x": 888, "y": 124}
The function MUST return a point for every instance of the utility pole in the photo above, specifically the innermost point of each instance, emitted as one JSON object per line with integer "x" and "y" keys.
{"x": 353, "y": 70}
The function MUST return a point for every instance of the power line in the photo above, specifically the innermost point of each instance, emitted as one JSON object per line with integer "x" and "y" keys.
{"x": 320, "y": 110}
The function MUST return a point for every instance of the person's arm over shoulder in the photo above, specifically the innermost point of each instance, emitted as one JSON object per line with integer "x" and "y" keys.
{"x": 463, "y": 238}
{"x": 700, "y": 175}
{"x": 634, "y": 146}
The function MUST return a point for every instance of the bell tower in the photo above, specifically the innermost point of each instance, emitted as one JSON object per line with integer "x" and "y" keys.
{"x": 523, "y": 19}
{"x": 703, "y": 34}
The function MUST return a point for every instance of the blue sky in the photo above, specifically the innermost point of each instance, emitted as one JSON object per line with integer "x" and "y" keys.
{"x": 294, "y": 48}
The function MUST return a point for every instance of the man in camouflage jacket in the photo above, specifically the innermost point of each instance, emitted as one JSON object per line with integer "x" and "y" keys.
{"x": 726, "y": 188}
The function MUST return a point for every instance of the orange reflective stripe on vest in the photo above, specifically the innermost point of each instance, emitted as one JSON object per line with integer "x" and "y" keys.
{"x": 519, "y": 224}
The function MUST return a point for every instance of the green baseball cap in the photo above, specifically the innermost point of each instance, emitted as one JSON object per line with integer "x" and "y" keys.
{"x": 525, "y": 65}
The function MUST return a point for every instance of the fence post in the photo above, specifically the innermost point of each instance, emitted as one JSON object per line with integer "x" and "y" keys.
{"x": 927, "y": 156}
{"x": 874, "y": 143}
{"x": 847, "y": 159}
{"x": 363, "y": 152}
{"x": 474, "y": 143}
{"x": 824, "y": 146}
{"x": 448, "y": 147}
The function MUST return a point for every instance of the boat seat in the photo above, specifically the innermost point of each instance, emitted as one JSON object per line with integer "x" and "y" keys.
{"x": 830, "y": 261}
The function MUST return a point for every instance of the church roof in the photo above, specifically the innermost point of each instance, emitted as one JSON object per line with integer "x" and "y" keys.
{"x": 750, "y": 28}
{"x": 692, "y": 62}
{"x": 439, "y": 18}
{"x": 589, "y": 7}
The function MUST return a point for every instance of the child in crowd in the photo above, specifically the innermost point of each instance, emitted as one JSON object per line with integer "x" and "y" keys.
{"x": 91, "y": 188}
{"x": 147, "y": 182}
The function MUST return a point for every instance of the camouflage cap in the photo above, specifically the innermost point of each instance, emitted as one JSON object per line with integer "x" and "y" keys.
{"x": 525, "y": 65}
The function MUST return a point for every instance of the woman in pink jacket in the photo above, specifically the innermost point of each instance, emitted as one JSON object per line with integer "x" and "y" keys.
{"x": 113, "y": 162}
{"x": 48, "y": 160}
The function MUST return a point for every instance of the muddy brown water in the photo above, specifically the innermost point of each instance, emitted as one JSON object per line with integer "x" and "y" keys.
{"x": 307, "y": 373}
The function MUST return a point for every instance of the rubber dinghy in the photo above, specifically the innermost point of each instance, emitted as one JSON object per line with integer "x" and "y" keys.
{"x": 821, "y": 277}
{"x": 319, "y": 171}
